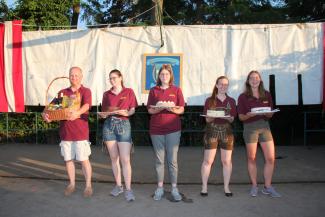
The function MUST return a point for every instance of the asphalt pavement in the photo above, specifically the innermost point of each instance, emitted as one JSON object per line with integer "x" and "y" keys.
{"x": 32, "y": 180}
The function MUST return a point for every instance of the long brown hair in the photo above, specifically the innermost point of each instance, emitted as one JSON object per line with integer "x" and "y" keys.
{"x": 212, "y": 103}
{"x": 167, "y": 67}
{"x": 118, "y": 73}
{"x": 248, "y": 89}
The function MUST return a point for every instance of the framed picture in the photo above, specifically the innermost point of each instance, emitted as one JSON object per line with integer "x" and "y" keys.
{"x": 153, "y": 62}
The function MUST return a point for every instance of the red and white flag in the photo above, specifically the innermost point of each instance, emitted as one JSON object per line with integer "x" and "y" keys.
{"x": 11, "y": 72}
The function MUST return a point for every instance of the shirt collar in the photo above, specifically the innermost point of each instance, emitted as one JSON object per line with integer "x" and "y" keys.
{"x": 159, "y": 87}
{"x": 70, "y": 88}
{"x": 111, "y": 90}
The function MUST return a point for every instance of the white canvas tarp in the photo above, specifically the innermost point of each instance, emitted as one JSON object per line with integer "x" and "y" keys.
{"x": 284, "y": 50}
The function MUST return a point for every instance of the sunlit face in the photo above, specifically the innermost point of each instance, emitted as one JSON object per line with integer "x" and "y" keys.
{"x": 75, "y": 77}
{"x": 222, "y": 85}
{"x": 115, "y": 80}
{"x": 254, "y": 80}
{"x": 164, "y": 76}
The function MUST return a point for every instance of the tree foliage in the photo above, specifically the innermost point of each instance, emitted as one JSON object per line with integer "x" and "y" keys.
{"x": 205, "y": 11}
{"x": 305, "y": 10}
{"x": 43, "y": 13}
{"x": 4, "y": 11}
{"x": 115, "y": 11}
{"x": 119, "y": 12}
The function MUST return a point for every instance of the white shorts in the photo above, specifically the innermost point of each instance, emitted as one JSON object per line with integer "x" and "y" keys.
{"x": 78, "y": 150}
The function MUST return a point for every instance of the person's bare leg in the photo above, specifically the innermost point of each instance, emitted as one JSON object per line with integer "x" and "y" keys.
{"x": 71, "y": 171}
{"x": 113, "y": 150}
{"x": 269, "y": 156}
{"x": 209, "y": 155}
{"x": 124, "y": 150}
{"x": 87, "y": 171}
{"x": 226, "y": 168}
{"x": 251, "y": 149}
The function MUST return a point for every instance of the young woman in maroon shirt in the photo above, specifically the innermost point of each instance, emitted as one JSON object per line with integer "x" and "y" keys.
{"x": 219, "y": 133}
{"x": 257, "y": 129}
{"x": 121, "y": 102}
{"x": 165, "y": 128}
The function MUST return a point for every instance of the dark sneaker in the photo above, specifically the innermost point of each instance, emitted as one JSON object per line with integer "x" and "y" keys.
{"x": 270, "y": 191}
{"x": 117, "y": 190}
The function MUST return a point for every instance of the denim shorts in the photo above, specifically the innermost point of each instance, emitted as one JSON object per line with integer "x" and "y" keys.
{"x": 116, "y": 129}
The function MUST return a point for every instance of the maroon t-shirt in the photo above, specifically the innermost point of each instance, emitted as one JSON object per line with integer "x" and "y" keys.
{"x": 78, "y": 129}
{"x": 165, "y": 122}
{"x": 228, "y": 104}
{"x": 125, "y": 100}
{"x": 245, "y": 104}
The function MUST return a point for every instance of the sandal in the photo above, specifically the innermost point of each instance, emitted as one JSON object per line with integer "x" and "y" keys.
{"x": 88, "y": 192}
{"x": 69, "y": 190}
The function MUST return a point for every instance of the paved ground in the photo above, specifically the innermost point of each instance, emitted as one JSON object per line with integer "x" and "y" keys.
{"x": 295, "y": 164}
{"x": 32, "y": 179}
{"x": 44, "y": 198}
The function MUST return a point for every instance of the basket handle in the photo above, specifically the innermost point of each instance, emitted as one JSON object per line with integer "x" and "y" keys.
{"x": 48, "y": 88}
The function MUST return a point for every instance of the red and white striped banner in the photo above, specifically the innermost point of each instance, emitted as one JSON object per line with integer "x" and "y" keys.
{"x": 11, "y": 72}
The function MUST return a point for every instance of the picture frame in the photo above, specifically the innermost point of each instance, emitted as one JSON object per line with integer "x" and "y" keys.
{"x": 153, "y": 62}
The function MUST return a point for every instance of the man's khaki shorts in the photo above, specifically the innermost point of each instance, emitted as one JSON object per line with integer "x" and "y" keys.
{"x": 75, "y": 150}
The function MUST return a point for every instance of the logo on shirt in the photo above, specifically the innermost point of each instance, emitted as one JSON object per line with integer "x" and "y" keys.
{"x": 228, "y": 106}
{"x": 265, "y": 102}
{"x": 123, "y": 98}
{"x": 172, "y": 95}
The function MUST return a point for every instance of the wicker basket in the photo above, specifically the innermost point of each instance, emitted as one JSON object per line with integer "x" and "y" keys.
{"x": 59, "y": 114}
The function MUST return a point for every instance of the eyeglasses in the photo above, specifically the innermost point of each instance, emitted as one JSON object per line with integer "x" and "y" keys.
{"x": 254, "y": 78}
{"x": 113, "y": 78}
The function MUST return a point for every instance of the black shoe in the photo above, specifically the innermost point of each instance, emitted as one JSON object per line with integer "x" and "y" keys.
{"x": 228, "y": 194}
{"x": 204, "y": 194}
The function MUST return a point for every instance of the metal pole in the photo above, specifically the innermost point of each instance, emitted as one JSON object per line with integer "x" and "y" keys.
{"x": 36, "y": 128}
{"x": 305, "y": 128}
{"x": 7, "y": 126}
{"x": 96, "y": 134}
{"x": 97, "y": 129}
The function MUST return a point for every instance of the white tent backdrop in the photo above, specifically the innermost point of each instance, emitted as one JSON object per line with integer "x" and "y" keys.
{"x": 284, "y": 50}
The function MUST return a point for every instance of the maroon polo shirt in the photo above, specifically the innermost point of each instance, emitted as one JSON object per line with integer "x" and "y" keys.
{"x": 245, "y": 104}
{"x": 125, "y": 100}
{"x": 228, "y": 103}
{"x": 165, "y": 122}
{"x": 78, "y": 129}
